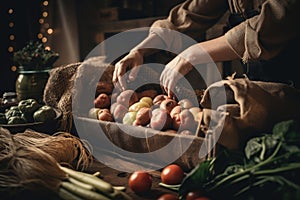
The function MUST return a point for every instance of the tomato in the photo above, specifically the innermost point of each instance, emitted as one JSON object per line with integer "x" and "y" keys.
{"x": 202, "y": 198}
{"x": 168, "y": 196}
{"x": 140, "y": 181}
{"x": 193, "y": 195}
{"x": 172, "y": 174}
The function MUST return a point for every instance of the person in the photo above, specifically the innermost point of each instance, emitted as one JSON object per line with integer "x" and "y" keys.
{"x": 263, "y": 34}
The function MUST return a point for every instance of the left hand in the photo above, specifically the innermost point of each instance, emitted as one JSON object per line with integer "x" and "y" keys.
{"x": 174, "y": 71}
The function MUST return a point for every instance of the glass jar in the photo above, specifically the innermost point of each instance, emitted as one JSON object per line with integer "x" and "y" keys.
{"x": 31, "y": 84}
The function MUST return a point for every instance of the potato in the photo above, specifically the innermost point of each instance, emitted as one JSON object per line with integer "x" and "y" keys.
{"x": 138, "y": 105}
{"x": 185, "y": 103}
{"x": 168, "y": 105}
{"x": 147, "y": 100}
{"x": 119, "y": 112}
{"x": 184, "y": 121}
{"x": 127, "y": 98}
{"x": 176, "y": 110}
{"x": 159, "y": 98}
{"x": 143, "y": 116}
{"x": 160, "y": 119}
{"x": 105, "y": 115}
{"x": 102, "y": 101}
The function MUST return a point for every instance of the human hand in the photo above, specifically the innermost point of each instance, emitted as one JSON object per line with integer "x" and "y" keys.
{"x": 174, "y": 70}
{"x": 130, "y": 62}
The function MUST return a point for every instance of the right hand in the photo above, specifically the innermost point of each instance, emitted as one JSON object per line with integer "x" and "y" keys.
{"x": 130, "y": 62}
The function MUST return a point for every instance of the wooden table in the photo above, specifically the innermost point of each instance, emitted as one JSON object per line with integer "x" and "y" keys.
{"x": 118, "y": 178}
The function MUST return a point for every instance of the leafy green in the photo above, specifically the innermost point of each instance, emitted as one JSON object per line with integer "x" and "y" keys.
{"x": 34, "y": 56}
{"x": 270, "y": 168}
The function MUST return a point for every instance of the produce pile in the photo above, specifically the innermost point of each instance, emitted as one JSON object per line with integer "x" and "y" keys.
{"x": 27, "y": 111}
{"x": 269, "y": 168}
{"x": 147, "y": 108}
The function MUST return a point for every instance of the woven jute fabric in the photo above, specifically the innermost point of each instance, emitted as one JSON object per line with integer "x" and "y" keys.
{"x": 58, "y": 94}
{"x": 60, "y": 86}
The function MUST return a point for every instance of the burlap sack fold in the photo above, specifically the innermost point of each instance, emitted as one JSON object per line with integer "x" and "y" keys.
{"x": 251, "y": 108}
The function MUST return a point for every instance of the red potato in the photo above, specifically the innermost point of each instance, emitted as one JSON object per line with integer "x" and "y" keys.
{"x": 184, "y": 121}
{"x": 127, "y": 98}
{"x": 185, "y": 103}
{"x": 105, "y": 115}
{"x": 168, "y": 105}
{"x": 102, "y": 101}
{"x": 160, "y": 120}
{"x": 159, "y": 98}
{"x": 175, "y": 110}
{"x": 119, "y": 112}
{"x": 143, "y": 116}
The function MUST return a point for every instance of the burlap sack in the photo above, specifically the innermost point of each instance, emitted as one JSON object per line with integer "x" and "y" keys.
{"x": 251, "y": 108}
{"x": 57, "y": 92}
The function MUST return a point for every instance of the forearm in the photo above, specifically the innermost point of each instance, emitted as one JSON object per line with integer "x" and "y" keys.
{"x": 215, "y": 50}
{"x": 151, "y": 44}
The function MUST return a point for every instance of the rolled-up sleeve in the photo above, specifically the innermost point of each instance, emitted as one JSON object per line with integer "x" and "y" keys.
{"x": 192, "y": 17}
{"x": 264, "y": 36}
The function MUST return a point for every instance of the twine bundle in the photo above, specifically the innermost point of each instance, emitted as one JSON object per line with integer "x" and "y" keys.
{"x": 29, "y": 161}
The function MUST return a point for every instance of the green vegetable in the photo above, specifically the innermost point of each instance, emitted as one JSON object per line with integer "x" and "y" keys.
{"x": 44, "y": 113}
{"x": 270, "y": 168}
{"x": 16, "y": 120}
{"x": 13, "y": 112}
{"x": 3, "y": 119}
{"x": 35, "y": 56}
{"x": 86, "y": 186}
{"x": 28, "y": 106}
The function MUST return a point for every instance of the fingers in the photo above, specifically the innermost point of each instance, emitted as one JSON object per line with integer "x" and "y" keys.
{"x": 133, "y": 73}
{"x": 119, "y": 79}
{"x": 168, "y": 81}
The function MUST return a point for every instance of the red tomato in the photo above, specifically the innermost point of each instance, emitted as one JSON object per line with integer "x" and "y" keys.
{"x": 193, "y": 195}
{"x": 172, "y": 174}
{"x": 202, "y": 198}
{"x": 168, "y": 197}
{"x": 140, "y": 181}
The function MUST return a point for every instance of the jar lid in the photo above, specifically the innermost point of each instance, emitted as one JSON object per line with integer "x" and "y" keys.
{"x": 9, "y": 95}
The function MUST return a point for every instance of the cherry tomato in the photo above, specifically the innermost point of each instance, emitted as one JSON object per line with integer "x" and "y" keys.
{"x": 193, "y": 195}
{"x": 140, "y": 181}
{"x": 202, "y": 198}
{"x": 168, "y": 196}
{"x": 172, "y": 174}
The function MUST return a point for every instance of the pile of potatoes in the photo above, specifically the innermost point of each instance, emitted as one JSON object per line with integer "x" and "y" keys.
{"x": 147, "y": 109}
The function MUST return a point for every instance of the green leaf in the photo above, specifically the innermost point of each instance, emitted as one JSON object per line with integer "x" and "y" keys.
{"x": 199, "y": 176}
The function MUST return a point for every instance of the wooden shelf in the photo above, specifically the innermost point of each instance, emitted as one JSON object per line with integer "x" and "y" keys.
{"x": 124, "y": 25}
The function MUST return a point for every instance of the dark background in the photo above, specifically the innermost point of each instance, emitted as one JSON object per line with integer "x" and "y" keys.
{"x": 26, "y": 15}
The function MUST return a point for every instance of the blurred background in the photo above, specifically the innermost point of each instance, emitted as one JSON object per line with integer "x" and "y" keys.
{"x": 71, "y": 28}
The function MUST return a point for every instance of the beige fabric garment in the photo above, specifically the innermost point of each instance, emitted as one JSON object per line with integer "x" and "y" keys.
{"x": 258, "y": 38}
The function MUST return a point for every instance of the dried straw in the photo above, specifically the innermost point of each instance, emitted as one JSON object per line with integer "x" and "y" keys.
{"x": 29, "y": 161}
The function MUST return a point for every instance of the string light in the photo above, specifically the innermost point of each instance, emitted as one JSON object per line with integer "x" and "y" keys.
{"x": 44, "y": 33}
{"x": 45, "y": 29}
{"x": 11, "y": 36}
